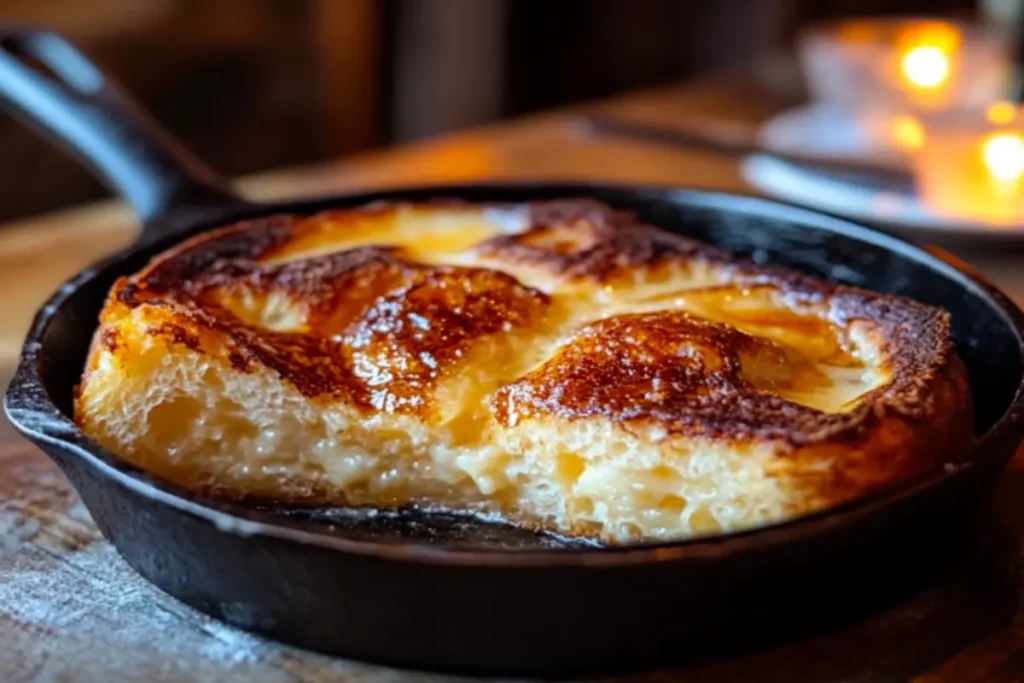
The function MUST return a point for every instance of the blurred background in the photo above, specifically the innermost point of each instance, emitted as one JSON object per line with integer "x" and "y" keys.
{"x": 257, "y": 84}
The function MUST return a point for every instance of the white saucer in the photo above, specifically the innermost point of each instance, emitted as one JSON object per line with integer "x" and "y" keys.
{"x": 815, "y": 130}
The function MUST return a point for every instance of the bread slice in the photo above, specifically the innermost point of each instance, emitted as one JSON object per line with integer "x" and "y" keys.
{"x": 560, "y": 364}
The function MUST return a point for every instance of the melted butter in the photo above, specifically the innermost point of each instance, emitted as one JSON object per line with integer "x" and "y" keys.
{"x": 765, "y": 313}
{"x": 823, "y": 386}
{"x": 429, "y": 236}
{"x": 646, "y": 287}
{"x": 846, "y": 386}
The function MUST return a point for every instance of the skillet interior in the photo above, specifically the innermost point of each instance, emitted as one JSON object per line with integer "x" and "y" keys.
{"x": 762, "y": 231}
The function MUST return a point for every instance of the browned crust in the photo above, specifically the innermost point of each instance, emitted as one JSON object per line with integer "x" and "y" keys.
{"x": 607, "y": 369}
{"x": 417, "y": 323}
{"x": 367, "y": 309}
{"x": 587, "y": 239}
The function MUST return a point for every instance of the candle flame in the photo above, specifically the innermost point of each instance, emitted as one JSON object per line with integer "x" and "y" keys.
{"x": 1003, "y": 154}
{"x": 926, "y": 66}
{"x": 926, "y": 55}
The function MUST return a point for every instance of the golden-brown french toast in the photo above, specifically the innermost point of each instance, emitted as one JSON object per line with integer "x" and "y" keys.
{"x": 559, "y": 364}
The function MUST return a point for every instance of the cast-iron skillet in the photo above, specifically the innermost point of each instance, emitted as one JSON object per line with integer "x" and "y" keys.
{"x": 439, "y": 592}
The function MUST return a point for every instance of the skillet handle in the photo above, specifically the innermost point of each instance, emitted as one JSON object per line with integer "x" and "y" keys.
{"x": 53, "y": 88}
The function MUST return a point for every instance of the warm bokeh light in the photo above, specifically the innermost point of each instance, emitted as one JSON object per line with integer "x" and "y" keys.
{"x": 926, "y": 53}
{"x": 939, "y": 34}
{"x": 908, "y": 133}
{"x": 1002, "y": 113}
{"x": 972, "y": 175}
{"x": 926, "y": 66}
{"x": 1004, "y": 156}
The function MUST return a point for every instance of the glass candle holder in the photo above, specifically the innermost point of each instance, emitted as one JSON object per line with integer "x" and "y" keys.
{"x": 971, "y": 165}
{"x": 890, "y": 72}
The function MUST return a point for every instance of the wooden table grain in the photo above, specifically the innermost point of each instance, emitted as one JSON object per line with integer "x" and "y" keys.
{"x": 71, "y": 610}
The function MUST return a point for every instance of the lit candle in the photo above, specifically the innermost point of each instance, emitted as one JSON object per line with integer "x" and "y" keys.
{"x": 890, "y": 72}
{"x": 973, "y": 168}
{"x": 927, "y": 63}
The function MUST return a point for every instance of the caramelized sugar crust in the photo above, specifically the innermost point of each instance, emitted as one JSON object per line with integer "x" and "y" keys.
{"x": 564, "y": 314}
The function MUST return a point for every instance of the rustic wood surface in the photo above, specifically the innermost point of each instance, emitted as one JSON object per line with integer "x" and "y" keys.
{"x": 71, "y": 610}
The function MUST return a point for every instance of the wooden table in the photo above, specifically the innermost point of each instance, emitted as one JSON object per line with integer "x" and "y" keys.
{"x": 71, "y": 610}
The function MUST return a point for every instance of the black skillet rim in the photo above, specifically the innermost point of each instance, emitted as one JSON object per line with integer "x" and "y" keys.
{"x": 33, "y": 413}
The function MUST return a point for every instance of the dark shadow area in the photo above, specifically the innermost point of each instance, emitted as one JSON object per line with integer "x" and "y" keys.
{"x": 974, "y": 597}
